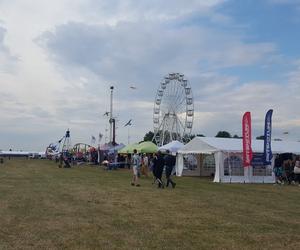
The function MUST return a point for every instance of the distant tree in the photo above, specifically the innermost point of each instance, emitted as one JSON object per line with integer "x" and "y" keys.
{"x": 149, "y": 136}
{"x": 261, "y": 137}
{"x": 236, "y": 137}
{"x": 190, "y": 137}
{"x": 223, "y": 134}
{"x": 200, "y": 135}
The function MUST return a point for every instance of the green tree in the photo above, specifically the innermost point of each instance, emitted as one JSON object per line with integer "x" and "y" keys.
{"x": 192, "y": 136}
{"x": 223, "y": 134}
{"x": 148, "y": 136}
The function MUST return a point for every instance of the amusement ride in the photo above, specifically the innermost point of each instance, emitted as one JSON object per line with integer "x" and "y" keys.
{"x": 173, "y": 112}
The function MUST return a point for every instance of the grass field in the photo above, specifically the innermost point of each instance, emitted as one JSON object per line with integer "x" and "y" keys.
{"x": 44, "y": 207}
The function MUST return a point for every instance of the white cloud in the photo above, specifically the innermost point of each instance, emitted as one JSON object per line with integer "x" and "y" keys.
{"x": 225, "y": 110}
{"x": 69, "y": 52}
{"x": 7, "y": 60}
{"x": 285, "y": 1}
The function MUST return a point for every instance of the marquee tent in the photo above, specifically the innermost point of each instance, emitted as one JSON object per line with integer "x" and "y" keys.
{"x": 173, "y": 146}
{"x": 222, "y": 158}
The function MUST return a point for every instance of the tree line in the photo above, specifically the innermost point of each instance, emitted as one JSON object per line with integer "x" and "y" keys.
{"x": 221, "y": 134}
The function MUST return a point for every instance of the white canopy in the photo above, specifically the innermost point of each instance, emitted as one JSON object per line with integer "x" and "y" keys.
{"x": 209, "y": 145}
{"x": 220, "y": 148}
{"x": 173, "y": 146}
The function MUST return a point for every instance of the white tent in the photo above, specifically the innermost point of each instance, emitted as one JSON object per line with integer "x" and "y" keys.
{"x": 222, "y": 157}
{"x": 173, "y": 146}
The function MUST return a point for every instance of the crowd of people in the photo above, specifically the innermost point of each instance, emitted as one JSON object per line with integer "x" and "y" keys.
{"x": 287, "y": 170}
{"x": 157, "y": 163}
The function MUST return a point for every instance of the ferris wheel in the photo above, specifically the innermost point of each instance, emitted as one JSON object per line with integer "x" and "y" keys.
{"x": 173, "y": 112}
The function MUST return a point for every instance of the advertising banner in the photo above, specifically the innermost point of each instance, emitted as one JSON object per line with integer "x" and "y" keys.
{"x": 267, "y": 138}
{"x": 247, "y": 150}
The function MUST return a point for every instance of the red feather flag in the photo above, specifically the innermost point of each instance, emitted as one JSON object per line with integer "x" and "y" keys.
{"x": 247, "y": 149}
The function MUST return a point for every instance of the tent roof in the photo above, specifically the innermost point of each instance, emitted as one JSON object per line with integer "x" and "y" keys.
{"x": 128, "y": 149}
{"x": 143, "y": 147}
{"x": 147, "y": 147}
{"x": 173, "y": 146}
{"x": 117, "y": 147}
{"x": 208, "y": 145}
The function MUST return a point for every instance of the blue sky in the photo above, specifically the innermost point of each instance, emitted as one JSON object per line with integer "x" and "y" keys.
{"x": 58, "y": 59}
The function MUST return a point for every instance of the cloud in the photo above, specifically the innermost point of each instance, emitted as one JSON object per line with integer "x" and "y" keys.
{"x": 142, "y": 53}
{"x": 225, "y": 109}
{"x": 7, "y": 60}
{"x": 146, "y": 51}
{"x": 289, "y": 2}
{"x": 117, "y": 11}
{"x": 71, "y": 51}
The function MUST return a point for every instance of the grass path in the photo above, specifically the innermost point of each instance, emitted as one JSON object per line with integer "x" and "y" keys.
{"x": 44, "y": 207}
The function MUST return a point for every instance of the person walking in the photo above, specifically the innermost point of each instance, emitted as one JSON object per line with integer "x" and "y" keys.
{"x": 170, "y": 161}
{"x": 278, "y": 170}
{"x": 136, "y": 161}
{"x": 158, "y": 168}
{"x": 289, "y": 171}
{"x": 145, "y": 165}
{"x": 297, "y": 171}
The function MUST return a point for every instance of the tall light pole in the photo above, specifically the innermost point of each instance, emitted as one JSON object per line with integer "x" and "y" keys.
{"x": 128, "y": 136}
{"x": 111, "y": 115}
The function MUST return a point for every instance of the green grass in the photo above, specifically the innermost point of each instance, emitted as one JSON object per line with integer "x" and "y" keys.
{"x": 45, "y": 207}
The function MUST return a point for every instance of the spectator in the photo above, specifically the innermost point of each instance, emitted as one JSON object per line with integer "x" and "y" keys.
{"x": 288, "y": 169}
{"x": 278, "y": 171}
{"x": 158, "y": 168}
{"x": 170, "y": 162}
{"x": 145, "y": 165}
{"x": 136, "y": 161}
{"x": 297, "y": 171}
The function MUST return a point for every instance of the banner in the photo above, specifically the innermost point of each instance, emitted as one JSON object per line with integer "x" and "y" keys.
{"x": 247, "y": 150}
{"x": 267, "y": 138}
{"x": 258, "y": 161}
{"x": 100, "y": 138}
{"x": 93, "y": 139}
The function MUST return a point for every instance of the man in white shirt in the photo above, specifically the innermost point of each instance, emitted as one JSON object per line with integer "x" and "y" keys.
{"x": 136, "y": 162}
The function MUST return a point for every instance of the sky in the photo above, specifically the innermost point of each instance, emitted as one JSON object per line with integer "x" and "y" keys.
{"x": 59, "y": 58}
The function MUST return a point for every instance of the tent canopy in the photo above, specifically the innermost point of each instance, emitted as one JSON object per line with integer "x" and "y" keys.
{"x": 147, "y": 147}
{"x": 143, "y": 147}
{"x": 128, "y": 149}
{"x": 224, "y": 170}
{"x": 173, "y": 146}
{"x": 111, "y": 148}
{"x": 209, "y": 145}
{"x": 116, "y": 148}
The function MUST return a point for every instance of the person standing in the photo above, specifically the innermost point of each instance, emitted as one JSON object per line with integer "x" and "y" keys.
{"x": 278, "y": 170}
{"x": 136, "y": 161}
{"x": 145, "y": 165}
{"x": 170, "y": 161}
{"x": 289, "y": 170}
{"x": 297, "y": 171}
{"x": 158, "y": 168}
